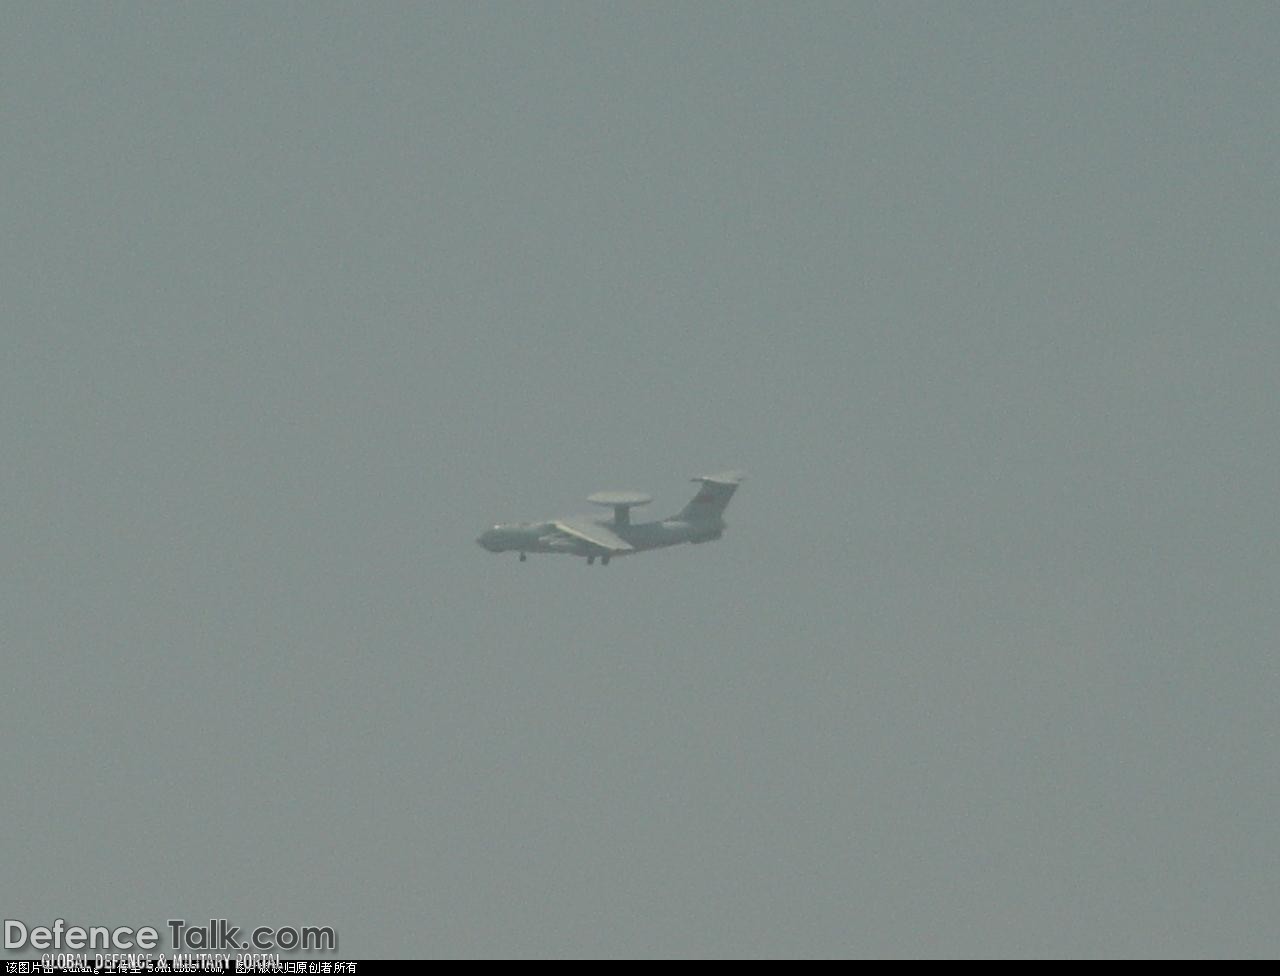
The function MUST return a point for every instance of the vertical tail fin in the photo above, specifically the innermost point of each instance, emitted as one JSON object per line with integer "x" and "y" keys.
{"x": 712, "y": 497}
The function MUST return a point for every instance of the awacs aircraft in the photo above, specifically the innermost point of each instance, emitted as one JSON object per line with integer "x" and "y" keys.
{"x": 702, "y": 520}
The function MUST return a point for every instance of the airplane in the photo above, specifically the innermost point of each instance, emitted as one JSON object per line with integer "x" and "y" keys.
{"x": 702, "y": 520}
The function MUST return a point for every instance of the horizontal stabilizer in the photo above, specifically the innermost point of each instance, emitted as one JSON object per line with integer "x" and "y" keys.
{"x": 723, "y": 478}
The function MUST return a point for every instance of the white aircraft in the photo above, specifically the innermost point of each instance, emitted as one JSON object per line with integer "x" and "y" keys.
{"x": 702, "y": 520}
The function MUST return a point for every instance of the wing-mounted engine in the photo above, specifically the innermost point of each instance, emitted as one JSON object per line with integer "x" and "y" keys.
{"x": 621, "y": 502}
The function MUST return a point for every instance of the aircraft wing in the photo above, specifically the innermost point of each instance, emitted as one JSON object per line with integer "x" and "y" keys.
{"x": 595, "y": 534}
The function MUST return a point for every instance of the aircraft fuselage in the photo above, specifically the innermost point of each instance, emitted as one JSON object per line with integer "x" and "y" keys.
{"x": 542, "y": 537}
{"x": 699, "y": 521}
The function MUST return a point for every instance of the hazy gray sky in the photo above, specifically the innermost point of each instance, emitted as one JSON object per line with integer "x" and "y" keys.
{"x": 296, "y": 298}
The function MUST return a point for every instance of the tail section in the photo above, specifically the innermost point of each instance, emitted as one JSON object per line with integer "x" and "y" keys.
{"x": 712, "y": 497}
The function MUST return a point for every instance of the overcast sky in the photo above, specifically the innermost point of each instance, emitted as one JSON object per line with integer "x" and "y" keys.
{"x": 297, "y": 298}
